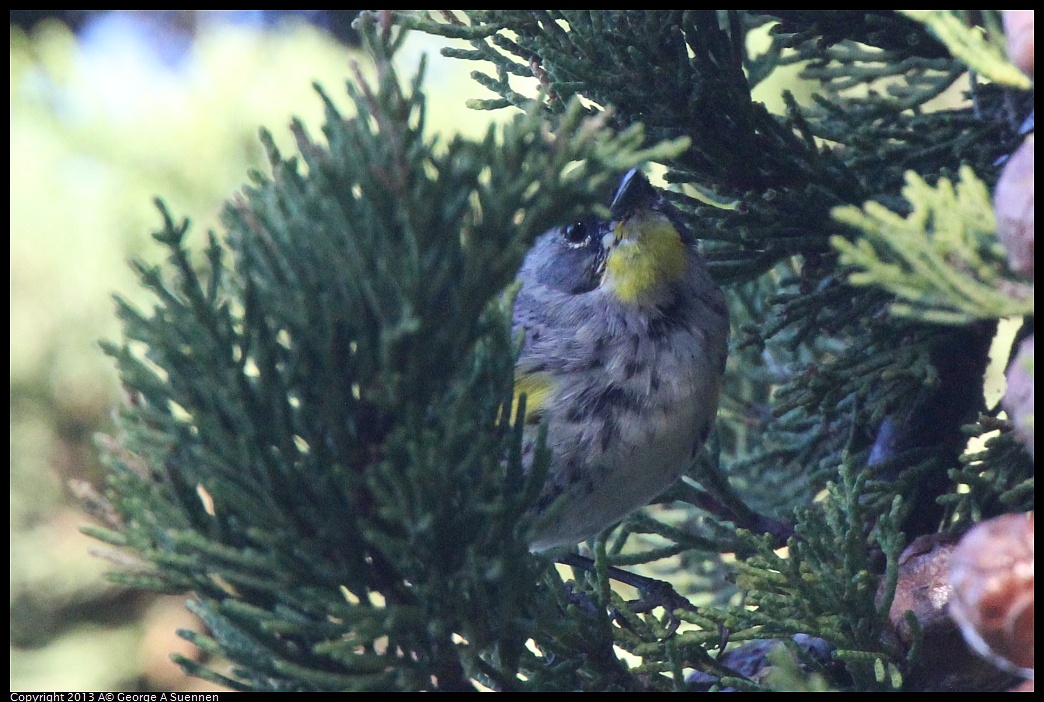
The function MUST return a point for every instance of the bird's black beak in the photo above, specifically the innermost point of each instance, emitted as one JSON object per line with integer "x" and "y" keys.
{"x": 634, "y": 193}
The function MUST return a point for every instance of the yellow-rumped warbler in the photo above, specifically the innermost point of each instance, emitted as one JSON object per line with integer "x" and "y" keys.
{"x": 625, "y": 339}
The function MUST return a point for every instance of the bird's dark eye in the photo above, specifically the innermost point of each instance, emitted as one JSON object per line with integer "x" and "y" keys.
{"x": 575, "y": 233}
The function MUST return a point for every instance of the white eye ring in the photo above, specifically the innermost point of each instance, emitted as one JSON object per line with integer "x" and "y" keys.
{"x": 576, "y": 235}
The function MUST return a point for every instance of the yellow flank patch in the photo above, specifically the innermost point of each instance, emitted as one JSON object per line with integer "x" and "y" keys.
{"x": 537, "y": 388}
{"x": 649, "y": 254}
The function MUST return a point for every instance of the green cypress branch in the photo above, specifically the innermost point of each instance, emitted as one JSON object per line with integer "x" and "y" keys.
{"x": 981, "y": 51}
{"x": 317, "y": 442}
{"x": 942, "y": 260}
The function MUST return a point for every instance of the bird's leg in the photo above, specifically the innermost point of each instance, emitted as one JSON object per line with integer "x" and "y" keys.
{"x": 652, "y": 593}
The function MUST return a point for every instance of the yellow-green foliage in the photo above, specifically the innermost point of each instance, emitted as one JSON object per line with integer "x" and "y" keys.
{"x": 980, "y": 50}
{"x": 943, "y": 260}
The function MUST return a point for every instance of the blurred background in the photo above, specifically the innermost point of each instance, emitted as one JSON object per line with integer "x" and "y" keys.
{"x": 110, "y": 109}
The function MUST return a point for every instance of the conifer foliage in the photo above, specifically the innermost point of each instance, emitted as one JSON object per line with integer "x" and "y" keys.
{"x": 318, "y": 440}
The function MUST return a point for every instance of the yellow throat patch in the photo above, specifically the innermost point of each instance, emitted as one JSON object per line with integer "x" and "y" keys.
{"x": 648, "y": 254}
